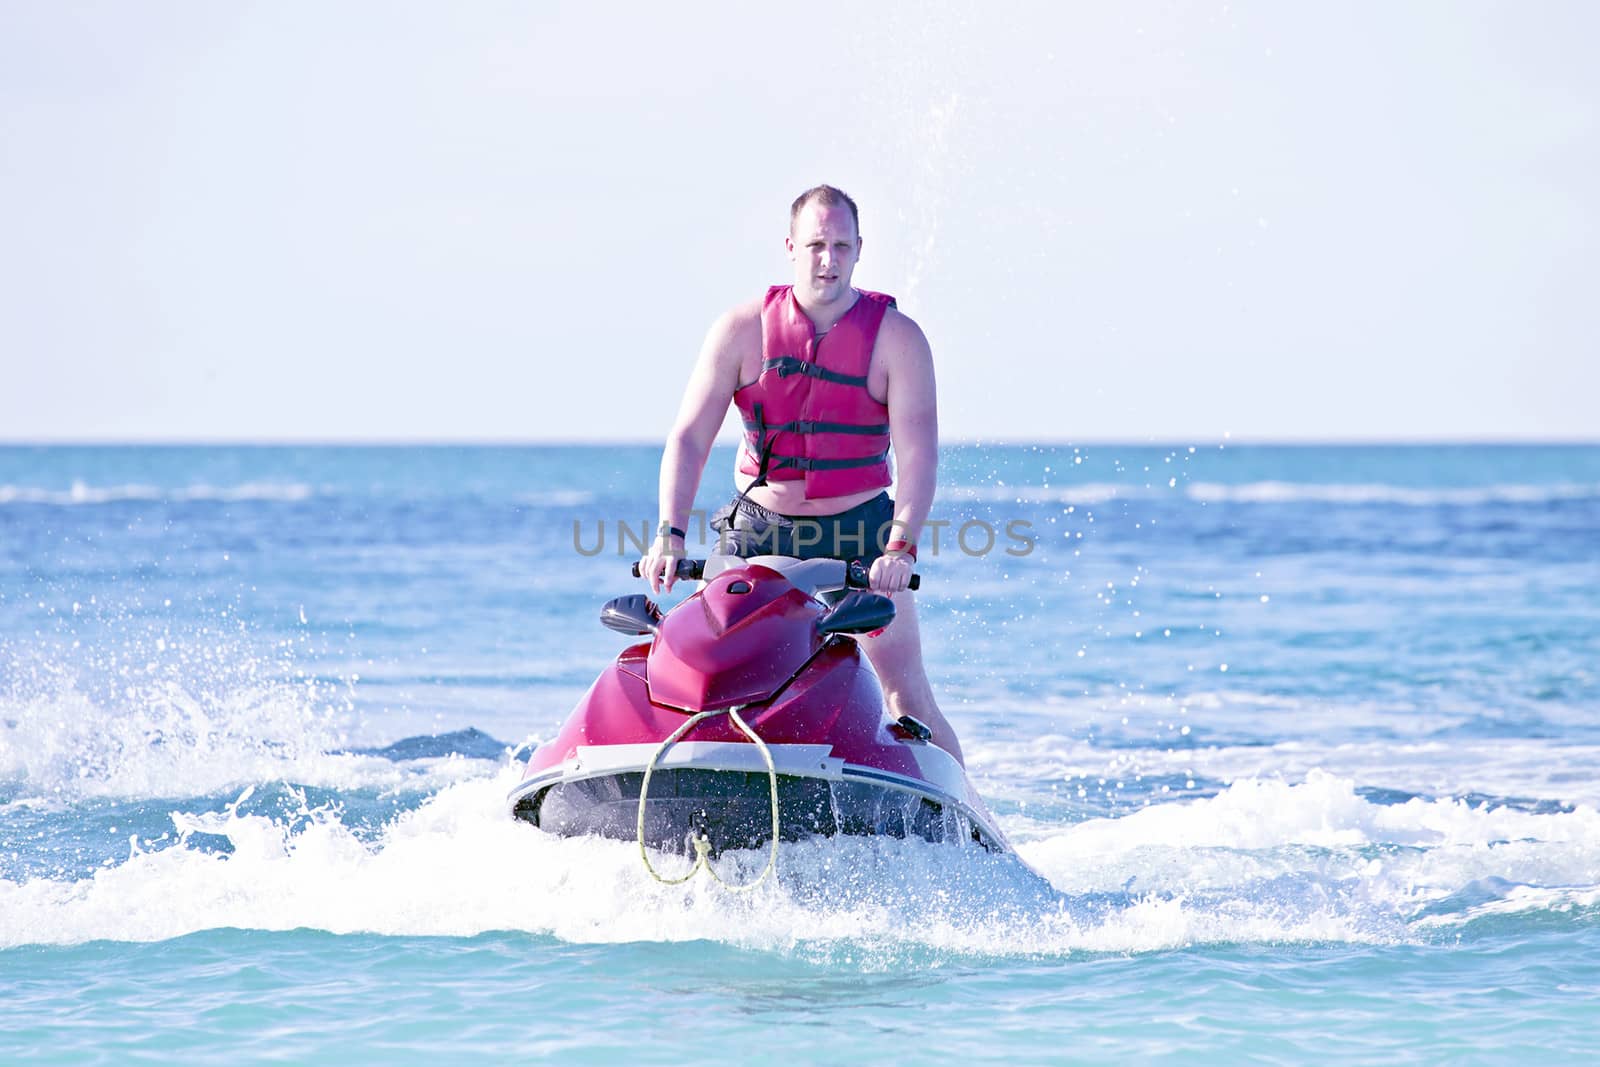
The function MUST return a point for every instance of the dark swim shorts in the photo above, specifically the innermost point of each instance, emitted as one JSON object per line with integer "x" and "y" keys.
{"x": 747, "y": 529}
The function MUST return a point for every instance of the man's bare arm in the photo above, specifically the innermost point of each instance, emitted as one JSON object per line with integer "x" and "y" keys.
{"x": 700, "y": 414}
{"x": 914, "y": 431}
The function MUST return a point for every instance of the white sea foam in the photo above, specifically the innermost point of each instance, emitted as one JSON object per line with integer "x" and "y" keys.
{"x": 1264, "y": 861}
{"x": 1323, "y": 811}
{"x": 1521, "y": 898}
{"x": 1269, "y": 492}
{"x": 81, "y": 493}
{"x": 1086, "y": 494}
{"x": 1276, "y": 492}
{"x": 558, "y": 498}
{"x": 1511, "y": 769}
{"x": 171, "y": 742}
{"x": 460, "y": 866}
{"x": 160, "y": 714}
{"x": 1395, "y": 860}
{"x": 1289, "y": 849}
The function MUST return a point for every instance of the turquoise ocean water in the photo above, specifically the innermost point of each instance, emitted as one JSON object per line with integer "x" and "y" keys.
{"x": 1299, "y": 747}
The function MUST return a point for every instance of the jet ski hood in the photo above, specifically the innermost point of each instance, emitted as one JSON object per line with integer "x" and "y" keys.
{"x": 734, "y": 642}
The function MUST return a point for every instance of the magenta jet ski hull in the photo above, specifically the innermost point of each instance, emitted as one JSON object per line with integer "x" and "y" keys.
{"x": 754, "y": 641}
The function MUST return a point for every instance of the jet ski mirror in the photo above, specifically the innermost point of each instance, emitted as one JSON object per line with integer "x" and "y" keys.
{"x": 634, "y": 615}
{"x": 858, "y": 613}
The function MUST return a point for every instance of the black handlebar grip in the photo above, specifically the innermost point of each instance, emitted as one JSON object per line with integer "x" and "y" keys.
{"x": 856, "y": 577}
{"x": 692, "y": 569}
{"x": 686, "y": 568}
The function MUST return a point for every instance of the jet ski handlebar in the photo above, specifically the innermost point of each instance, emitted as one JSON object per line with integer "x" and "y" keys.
{"x": 856, "y": 572}
{"x": 689, "y": 569}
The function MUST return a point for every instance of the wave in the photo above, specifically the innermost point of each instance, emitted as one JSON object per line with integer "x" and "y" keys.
{"x": 1494, "y": 898}
{"x": 1264, "y": 861}
{"x": 1254, "y": 844}
{"x": 82, "y": 493}
{"x": 1088, "y": 493}
{"x": 1275, "y": 492}
{"x": 199, "y": 718}
{"x": 1324, "y": 811}
{"x": 558, "y": 498}
{"x": 1507, "y": 771}
{"x": 1403, "y": 866}
{"x": 1270, "y": 492}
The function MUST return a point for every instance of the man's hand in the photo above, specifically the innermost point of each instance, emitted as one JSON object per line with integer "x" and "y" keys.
{"x": 659, "y": 566}
{"x": 891, "y": 572}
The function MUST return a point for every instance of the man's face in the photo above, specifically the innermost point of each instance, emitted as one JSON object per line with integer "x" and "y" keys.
{"x": 824, "y": 247}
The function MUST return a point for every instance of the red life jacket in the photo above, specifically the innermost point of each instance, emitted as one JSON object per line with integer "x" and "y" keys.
{"x": 809, "y": 415}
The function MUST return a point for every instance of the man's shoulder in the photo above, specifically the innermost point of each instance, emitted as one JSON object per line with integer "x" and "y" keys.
{"x": 895, "y": 319}
{"x": 746, "y": 310}
{"x": 743, "y": 313}
{"x": 737, "y": 329}
{"x": 901, "y": 331}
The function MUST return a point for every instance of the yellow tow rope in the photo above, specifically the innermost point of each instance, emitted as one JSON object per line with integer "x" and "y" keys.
{"x": 702, "y": 845}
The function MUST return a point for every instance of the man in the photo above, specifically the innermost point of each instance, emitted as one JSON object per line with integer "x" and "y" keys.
{"x": 827, "y": 378}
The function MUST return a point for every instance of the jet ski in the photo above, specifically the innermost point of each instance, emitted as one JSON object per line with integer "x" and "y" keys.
{"x": 749, "y": 716}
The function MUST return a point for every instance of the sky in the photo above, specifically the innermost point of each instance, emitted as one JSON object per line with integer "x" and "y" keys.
{"x": 514, "y": 221}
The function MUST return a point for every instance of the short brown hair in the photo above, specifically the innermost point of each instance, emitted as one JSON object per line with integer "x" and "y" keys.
{"x": 828, "y": 195}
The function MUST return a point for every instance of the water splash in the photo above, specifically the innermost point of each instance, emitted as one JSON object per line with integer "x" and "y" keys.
{"x": 1264, "y": 861}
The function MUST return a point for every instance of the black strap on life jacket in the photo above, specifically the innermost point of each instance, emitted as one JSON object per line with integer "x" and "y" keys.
{"x": 810, "y": 426}
{"x": 787, "y": 365}
{"x": 806, "y": 463}
{"x": 765, "y": 436}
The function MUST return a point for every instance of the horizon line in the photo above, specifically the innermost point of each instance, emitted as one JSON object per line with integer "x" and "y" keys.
{"x": 1226, "y": 439}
